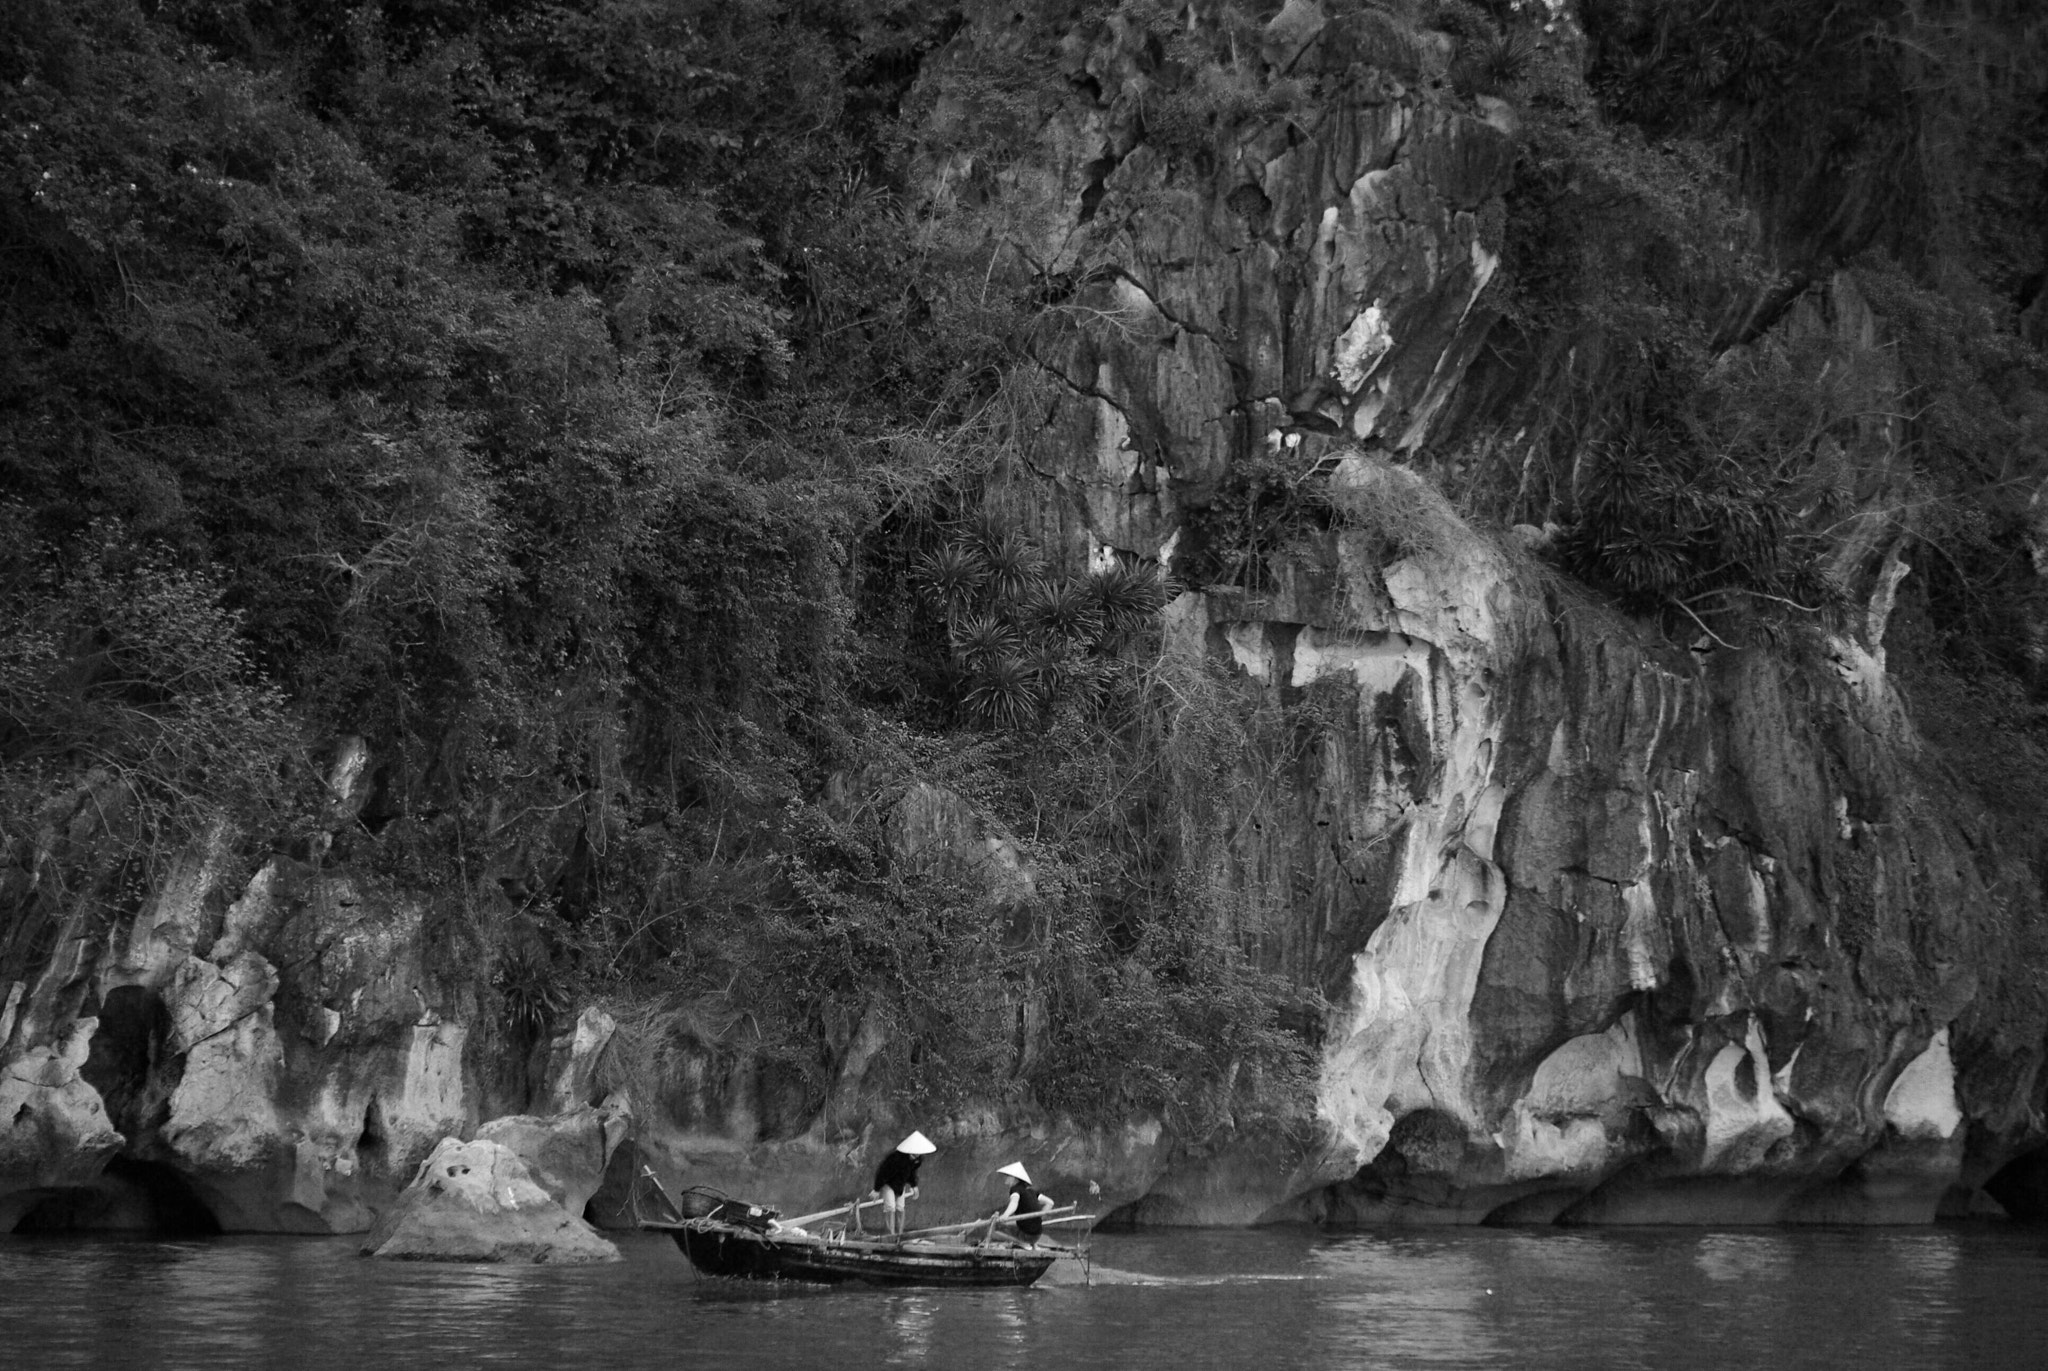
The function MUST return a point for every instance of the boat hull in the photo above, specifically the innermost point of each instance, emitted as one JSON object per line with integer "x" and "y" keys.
{"x": 722, "y": 1249}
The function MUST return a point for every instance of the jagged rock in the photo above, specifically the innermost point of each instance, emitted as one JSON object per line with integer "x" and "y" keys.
{"x": 566, "y": 1153}
{"x": 299, "y": 1123}
{"x": 1612, "y": 932}
{"x": 1596, "y": 980}
{"x": 54, "y": 1130}
{"x": 477, "y": 1201}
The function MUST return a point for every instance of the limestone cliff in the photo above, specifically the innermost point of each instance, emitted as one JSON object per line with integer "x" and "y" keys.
{"x": 1612, "y": 929}
{"x": 256, "y": 1054}
{"x": 1610, "y": 926}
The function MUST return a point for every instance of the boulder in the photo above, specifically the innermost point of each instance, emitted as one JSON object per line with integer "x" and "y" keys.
{"x": 565, "y": 1153}
{"x": 477, "y": 1201}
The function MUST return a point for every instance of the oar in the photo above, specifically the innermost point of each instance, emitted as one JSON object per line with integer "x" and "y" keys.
{"x": 976, "y": 1223}
{"x": 848, "y": 1209}
{"x": 1051, "y": 1246}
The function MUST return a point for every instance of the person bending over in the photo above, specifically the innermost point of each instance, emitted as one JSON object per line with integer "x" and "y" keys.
{"x": 896, "y": 1179}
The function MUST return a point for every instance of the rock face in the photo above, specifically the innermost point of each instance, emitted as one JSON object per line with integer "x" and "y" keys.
{"x": 477, "y": 1201}
{"x": 58, "y": 1136}
{"x": 1647, "y": 936}
{"x": 257, "y": 1049}
{"x": 1322, "y": 285}
{"x": 1612, "y": 930}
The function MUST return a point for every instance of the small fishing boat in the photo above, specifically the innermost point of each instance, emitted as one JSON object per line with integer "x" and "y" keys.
{"x": 728, "y": 1237}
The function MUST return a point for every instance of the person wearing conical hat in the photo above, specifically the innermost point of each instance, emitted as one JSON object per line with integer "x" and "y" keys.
{"x": 1026, "y": 1203}
{"x": 896, "y": 1178}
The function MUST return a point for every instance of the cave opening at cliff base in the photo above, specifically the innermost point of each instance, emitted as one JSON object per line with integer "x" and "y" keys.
{"x": 132, "y": 1196}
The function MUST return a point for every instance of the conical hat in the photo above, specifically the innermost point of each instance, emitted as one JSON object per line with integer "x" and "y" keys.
{"x": 917, "y": 1145}
{"x": 1015, "y": 1169}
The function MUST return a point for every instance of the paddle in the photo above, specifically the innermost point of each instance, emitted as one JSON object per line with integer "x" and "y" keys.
{"x": 847, "y": 1209}
{"x": 1046, "y": 1246}
{"x": 975, "y": 1223}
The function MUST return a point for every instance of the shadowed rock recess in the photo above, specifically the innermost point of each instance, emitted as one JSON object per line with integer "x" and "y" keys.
{"x": 1609, "y": 927}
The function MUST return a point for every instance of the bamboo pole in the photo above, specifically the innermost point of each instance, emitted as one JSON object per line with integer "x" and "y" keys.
{"x": 1012, "y": 1218}
{"x": 849, "y": 1209}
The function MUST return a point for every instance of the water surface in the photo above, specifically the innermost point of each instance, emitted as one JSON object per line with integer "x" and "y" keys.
{"x": 1933, "y": 1298}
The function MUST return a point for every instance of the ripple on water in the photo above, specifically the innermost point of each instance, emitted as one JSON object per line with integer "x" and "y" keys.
{"x": 1275, "y": 1300}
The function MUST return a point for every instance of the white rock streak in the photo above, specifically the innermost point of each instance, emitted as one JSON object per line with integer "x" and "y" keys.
{"x": 1921, "y": 1104}
{"x": 1360, "y": 348}
{"x": 1404, "y": 1041}
{"x": 1741, "y": 1110}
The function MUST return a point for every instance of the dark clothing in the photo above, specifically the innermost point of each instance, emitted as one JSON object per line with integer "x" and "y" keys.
{"x": 898, "y": 1172}
{"x": 1028, "y": 1200}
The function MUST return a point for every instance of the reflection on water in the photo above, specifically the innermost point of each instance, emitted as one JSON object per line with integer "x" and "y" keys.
{"x": 911, "y": 1317}
{"x": 1754, "y": 1256}
{"x": 1284, "y": 1299}
{"x": 1403, "y": 1304}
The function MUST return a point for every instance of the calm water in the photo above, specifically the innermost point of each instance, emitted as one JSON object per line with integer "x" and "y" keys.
{"x": 1665, "y": 1298}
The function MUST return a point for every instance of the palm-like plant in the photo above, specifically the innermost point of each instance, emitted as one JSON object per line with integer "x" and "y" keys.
{"x": 1504, "y": 60}
{"x": 1127, "y": 595}
{"x": 1005, "y": 694}
{"x": 979, "y": 639}
{"x": 950, "y": 576}
{"x": 1063, "y": 612}
{"x": 1052, "y": 667}
{"x": 1013, "y": 566}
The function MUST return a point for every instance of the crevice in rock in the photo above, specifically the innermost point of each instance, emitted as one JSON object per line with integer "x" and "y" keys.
{"x": 128, "y": 1061}
{"x": 373, "y": 1143}
{"x": 131, "y": 1195}
{"x": 1081, "y": 388}
{"x": 2021, "y": 1187}
{"x": 1164, "y": 313}
{"x": 1540, "y": 1208}
{"x": 1098, "y": 173}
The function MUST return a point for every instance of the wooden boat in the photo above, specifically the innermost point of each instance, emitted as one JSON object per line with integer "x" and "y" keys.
{"x": 727, "y": 1237}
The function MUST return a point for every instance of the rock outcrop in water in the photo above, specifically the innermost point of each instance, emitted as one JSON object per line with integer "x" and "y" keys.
{"x": 260, "y": 1049}
{"x": 1611, "y": 928}
{"x": 478, "y": 1201}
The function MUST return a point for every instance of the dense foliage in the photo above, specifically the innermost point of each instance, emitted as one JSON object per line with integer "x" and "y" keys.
{"x": 572, "y": 400}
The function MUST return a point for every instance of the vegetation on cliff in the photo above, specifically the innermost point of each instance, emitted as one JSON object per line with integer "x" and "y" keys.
{"x": 583, "y": 401}
{"x": 571, "y": 400}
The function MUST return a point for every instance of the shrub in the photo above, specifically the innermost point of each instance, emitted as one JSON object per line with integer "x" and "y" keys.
{"x": 119, "y": 663}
